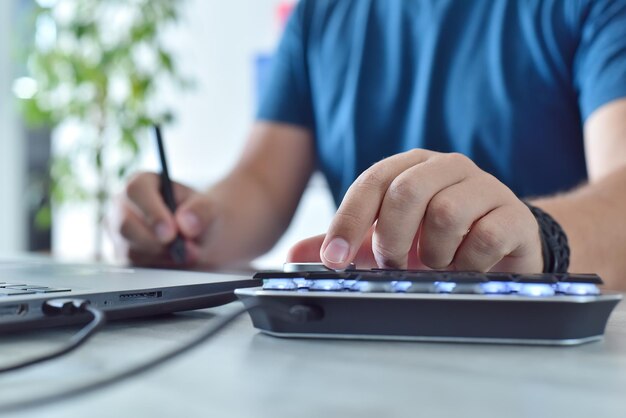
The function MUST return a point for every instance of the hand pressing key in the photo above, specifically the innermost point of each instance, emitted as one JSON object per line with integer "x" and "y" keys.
{"x": 426, "y": 209}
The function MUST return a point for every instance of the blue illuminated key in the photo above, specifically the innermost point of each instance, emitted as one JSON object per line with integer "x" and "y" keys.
{"x": 349, "y": 284}
{"x": 469, "y": 288}
{"x": 578, "y": 289}
{"x": 326, "y": 285}
{"x": 372, "y": 286}
{"x": 422, "y": 287}
{"x": 279, "y": 284}
{"x": 496, "y": 288}
{"x": 536, "y": 289}
{"x": 401, "y": 286}
{"x": 302, "y": 283}
{"x": 445, "y": 287}
{"x": 561, "y": 287}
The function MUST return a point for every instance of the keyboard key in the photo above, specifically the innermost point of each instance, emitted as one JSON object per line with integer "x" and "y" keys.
{"x": 279, "y": 284}
{"x": 466, "y": 277}
{"x": 422, "y": 287}
{"x": 302, "y": 284}
{"x": 496, "y": 288}
{"x": 445, "y": 287}
{"x": 279, "y": 275}
{"x": 500, "y": 277}
{"x": 536, "y": 278}
{"x": 536, "y": 289}
{"x": 381, "y": 276}
{"x": 14, "y": 292}
{"x": 581, "y": 278}
{"x": 387, "y": 270}
{"x": 578, "y": 289}
{"x": 326, "y": 285}
{"x": 373, "y": 286}
{"x": 348, "y": 284}
{"x": 332, "y": 275}
{"x": 425, "y": 276}
{"x": 52, "y": 290}
{"x": 26, "y": 287}
{"x": 401, "y": 286}
{"x": 468, "y": 288}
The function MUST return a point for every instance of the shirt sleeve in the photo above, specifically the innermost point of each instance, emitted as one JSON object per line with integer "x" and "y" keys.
{"x": 286, "y": 96}
{"x": 600, "y": 63}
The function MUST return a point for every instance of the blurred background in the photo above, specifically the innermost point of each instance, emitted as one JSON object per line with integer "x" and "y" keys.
{"x": 81, "y": 81}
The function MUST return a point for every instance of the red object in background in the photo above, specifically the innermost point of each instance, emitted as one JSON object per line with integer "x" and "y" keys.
{"x": 283, "y": 11}
{"x": 263, "y": 60}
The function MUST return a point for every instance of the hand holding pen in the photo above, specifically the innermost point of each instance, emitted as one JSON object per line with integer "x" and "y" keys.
{"x": 160, "y": 223}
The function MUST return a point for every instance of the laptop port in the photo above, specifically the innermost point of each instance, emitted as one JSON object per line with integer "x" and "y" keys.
{"x": 18, "y": 309}
{"x": 139, "y": 296}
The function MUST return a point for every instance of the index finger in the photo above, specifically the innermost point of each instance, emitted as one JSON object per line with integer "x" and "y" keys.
{"x": 361, "y": 205}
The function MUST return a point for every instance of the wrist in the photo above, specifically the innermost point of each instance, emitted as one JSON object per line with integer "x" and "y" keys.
{"x": 554, "y": 244}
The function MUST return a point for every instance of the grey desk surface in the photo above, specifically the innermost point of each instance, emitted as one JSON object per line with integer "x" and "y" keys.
{"x": 242, "y": 373}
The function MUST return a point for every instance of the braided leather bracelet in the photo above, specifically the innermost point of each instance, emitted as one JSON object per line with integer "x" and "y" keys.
{"x": 554, "y": 245}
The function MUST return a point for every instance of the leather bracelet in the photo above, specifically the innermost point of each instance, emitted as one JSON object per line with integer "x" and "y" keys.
{"x": 554, "y": 245}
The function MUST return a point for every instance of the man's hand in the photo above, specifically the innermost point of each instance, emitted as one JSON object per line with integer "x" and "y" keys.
{"x": 143, "y": 227}
{"x": 428, "y": 209}
{"x": 236, "y": 220}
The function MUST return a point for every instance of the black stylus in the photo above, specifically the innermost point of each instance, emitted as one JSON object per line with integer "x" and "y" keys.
{"x": 177, "y": 249}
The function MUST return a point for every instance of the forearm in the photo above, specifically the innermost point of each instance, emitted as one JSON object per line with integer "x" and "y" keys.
{"x": 251, "y": 218}
{"x": 594, "y": 219}
{"x": 257, "y": 200}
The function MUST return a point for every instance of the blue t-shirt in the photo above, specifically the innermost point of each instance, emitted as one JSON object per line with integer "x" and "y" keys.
{"x": 507, "y": 83}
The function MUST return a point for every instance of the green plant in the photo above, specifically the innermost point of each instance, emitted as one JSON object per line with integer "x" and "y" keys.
{"x": 96, "y": 66}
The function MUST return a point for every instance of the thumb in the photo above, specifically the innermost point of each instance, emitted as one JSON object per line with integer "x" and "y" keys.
{"x": 306, "y": 251}
{"x": 194, "y": 215}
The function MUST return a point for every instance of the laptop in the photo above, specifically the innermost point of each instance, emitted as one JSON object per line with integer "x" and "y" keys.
{"x": 25, "y": 284}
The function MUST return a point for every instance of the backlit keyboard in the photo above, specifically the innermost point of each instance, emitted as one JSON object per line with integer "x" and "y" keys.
{"x": 428, "y": 305}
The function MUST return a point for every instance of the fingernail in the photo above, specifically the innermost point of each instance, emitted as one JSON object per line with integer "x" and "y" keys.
{"x": 337, "y": 250}
{"x": 163, "y": 231}
{"x": 189, "y": 222}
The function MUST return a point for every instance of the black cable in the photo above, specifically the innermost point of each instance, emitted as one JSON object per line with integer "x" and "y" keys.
{"x": 134, "y": 371}
{"x": 78, "y": 339}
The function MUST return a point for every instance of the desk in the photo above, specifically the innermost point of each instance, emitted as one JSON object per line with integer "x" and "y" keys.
{"x": 242, "y": 373}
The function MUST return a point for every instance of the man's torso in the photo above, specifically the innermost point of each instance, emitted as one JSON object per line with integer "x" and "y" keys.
{"x": 490, "y": 79}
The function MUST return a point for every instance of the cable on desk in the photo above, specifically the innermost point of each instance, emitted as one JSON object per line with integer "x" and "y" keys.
{"x": 134, "y": 371}
{"x": 67, "y": 307}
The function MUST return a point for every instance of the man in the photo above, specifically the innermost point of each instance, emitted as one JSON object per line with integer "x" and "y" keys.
{"x": 431, "y": 120}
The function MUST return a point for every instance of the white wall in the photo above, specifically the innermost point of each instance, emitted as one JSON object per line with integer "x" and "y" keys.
{"x": 215, "y": 43}
{"x": 12, "y": 163}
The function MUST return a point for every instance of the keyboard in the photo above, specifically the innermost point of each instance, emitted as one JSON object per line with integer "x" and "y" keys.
{"x": 15, "y": 289}
{"x": 426, "y": 305}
